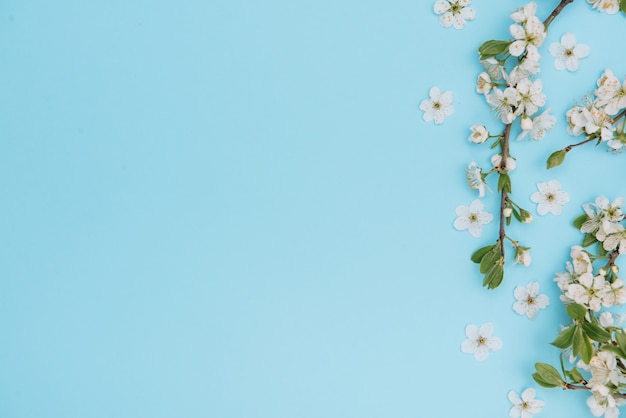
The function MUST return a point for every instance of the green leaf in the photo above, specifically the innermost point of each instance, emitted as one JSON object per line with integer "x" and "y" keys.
{"x": 492, "y": 48}
{"x": 480, "y": 253}
{"x": 616, "y": 350}
{"x": 579, "y": 221}
{"x": 537, "y": 378}
{"x": 504, "y": 182}
{"x": 589, "y": 239}
{"x": 622, "y": 6}
{"x": 494, "y": 277}
{"x": 565, "y": 338}
{"x": 576, "y": 311}
{"x": 575, "y": 375}
{"x": 489, "y": 259}
{"x": 548, "y": 374}
{"x": 517, "y": 215}
{"x": 582, "y": 346}
{"x": 556, "y": 158}
{"x": 596, "y": 332}
{"x": 620, "y": 337}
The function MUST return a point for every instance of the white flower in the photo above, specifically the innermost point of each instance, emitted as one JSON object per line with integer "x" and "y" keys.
{"x": 531, "y": 97}
{"x": 529, "y": 301}
{"x": 526, "y": 406}
{"x": 472, "y": 218}
{"x": 484, "y": 84}
{"x": 608, "y": 6}
{"x": 606, "y": 405}
{"x": 438, "y": 106}
{"x": 550, "y": 198}
{"x": 611, "y": 93}
{"x": 522, "y": 254}
{"x": 538, "y": 126}
{"x": 479, "y": 134}
{"x": 568, "y": 53}
{"x": 454, "y": 12}
{"x": 528, "y": 38}
{"x": 475, "y": 179}
{"x": 496, "y": 160}
{"x": 522, "y": 14}
{"x": 480, "y": 341}
{"x": 493, "y": 67}
{"x": 503, "y": 102}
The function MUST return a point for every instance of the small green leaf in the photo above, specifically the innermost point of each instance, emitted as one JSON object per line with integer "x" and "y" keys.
{"x": 548, "y": 374}
{"x": 565, "y": 338}
{"x": 489, "y": 259}
{"x": 537, "y": 378}
{"x": 494, "y": 277}
{"x": 596, "y": 332}
{"x": 480, "y": 253}
{"x": 556, "y": 158}
{"x": 504, "y": 182}
{"x": 589, "y": 239}
{"x": 620, "y": 337}
{"x": 582, "y": 346}
{"x": 517, "y": 215}
{"x": 576, "y": 311}
{"x": 615, "y": 350}
{"x": 492, "y": 48}
{"x": 575, "y": 375}
{"x": 580, "y": 220}
{"x": 622, "y": 6}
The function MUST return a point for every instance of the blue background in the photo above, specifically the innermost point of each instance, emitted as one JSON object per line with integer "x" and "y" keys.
{"x": 234, "y": 209}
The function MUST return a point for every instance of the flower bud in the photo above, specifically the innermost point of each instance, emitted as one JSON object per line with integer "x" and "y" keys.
{"x": 602, "y": 272}
{"x": 526, "y": 216}
{"x": 507, "y": 212}
{"x": 479, "y": 134}
{"x": 526, "y": 123}
{"x": 614, "y": 269}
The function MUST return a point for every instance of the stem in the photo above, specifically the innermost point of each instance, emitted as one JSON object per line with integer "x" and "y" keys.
{"x": 504, "y": 196}
{"x": 569, "y": 147}
{"x": 577, "y": 387}
{"x": 555, "y": 13}
{"x": 612, "y": 257}
{"x": 619, "y": 115}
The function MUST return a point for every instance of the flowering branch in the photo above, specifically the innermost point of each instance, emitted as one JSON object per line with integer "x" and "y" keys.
{"x": 593, "y": 337}
{"x": 600, "y": 117}
{"x": 556, "y": 12}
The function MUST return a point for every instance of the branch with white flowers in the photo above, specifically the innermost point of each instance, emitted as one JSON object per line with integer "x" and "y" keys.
{"x": 510, "y": 88}
{"x": 593, "y": 343}
{"x": 600, "y": 117}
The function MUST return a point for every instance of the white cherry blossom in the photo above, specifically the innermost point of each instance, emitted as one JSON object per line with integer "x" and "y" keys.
{"x": 538, "y": 126}
{"x": 438, "y": 106}
{"x": 531, "y": 98}
{"x": 529, "y": 301}
{"x": 568, "y": 53}
{"x": 480, "y": 341}
{"x": 472, "y": 218}
{"x": 475, "y": 179}
{"x": 454, "y": 13}
{"x": 527, "y": 38}
{"x": 479, "y": 134}
{"x": 526, "y": 406}
{"x": 503, "y": 102}
{"x": 550, "y": 198}
{"x": 607, "y": 6}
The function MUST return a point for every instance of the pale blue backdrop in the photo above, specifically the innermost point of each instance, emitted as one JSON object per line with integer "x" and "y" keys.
{"x": 233, "y": 209}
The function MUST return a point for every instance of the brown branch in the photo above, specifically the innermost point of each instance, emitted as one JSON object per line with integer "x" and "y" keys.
{"x": 577, "y": 387}
{"x": 504, "y": 196}
{"x": 569, "y": 147}
{"x": 555, "y": 13}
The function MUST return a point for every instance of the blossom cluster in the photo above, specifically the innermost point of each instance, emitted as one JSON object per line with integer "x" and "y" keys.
{"x": 600, "y": 115}
{"x": 594, "y": 342}
{"x": 579, "y": 284}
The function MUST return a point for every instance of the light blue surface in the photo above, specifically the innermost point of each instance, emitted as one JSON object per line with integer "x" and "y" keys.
{"x": 234, "y": 209}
